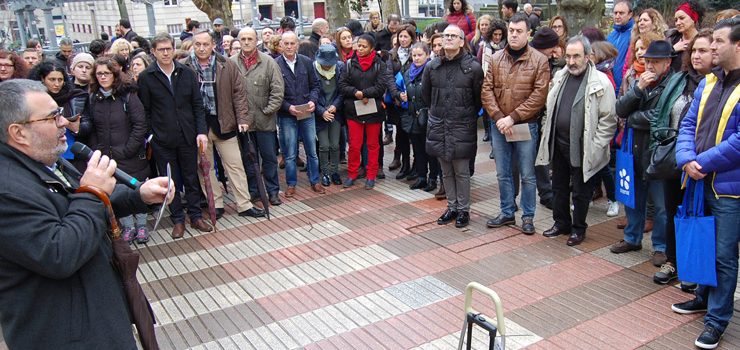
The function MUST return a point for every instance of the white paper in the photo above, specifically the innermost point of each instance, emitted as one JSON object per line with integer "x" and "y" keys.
{"x": 520, "y": 132}
{"x": 365, "y": 109}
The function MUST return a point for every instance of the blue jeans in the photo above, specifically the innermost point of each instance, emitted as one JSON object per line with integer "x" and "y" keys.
{"x": 290, "y": 128}
{"x": 525, "y": 153}
{"x": 636, "y": 217}
{"x": 720, "y": 299}
{"x": 265, "y": 143}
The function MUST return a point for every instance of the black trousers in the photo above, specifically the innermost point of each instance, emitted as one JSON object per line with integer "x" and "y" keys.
{"x": 183, "y": 159}
{"x": 563, "y": 175}
{"x": 672, "y": 195}
{"x": 422, "y": 161}
{"x": 403, "y": 145}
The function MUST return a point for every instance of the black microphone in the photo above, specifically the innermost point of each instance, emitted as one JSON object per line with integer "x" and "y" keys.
{"x": 81, "y": 150}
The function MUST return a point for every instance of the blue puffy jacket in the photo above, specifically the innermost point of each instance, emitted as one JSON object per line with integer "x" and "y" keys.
{"x": 721, "y": 162}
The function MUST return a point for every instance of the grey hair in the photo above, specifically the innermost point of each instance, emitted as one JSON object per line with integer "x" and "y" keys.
{"x": 13, "y": 102}
{"x": 318, "y": 23}
{"x": 246, "y": 30}
{"x": 162, "y": 38}
{"x": 66, "y": 42}
{"x": 462, "y": 32}
{"x": 584, "y": 41}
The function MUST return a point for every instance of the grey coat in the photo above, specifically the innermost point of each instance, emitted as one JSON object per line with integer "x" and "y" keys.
{"x": 265, "y": 90}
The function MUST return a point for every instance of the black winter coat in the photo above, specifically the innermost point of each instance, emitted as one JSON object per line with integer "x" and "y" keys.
{"x": 372, "y": 83}
{"x": 174, "y": 112}
{"x": 451, "y": 89}
{"x": 117, "y": 126}
{"x": 414, "y": 120}
{"x": 58, "y": 289}
{"x": 639, "y": 107}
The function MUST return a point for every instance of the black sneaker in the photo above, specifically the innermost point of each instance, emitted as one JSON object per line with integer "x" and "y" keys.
{"x": 499, "y": 221}
{"x": 666, "y": 274}
{"x": 689, "y": 287}
{"x": 709, "y": 338}
{"x": 689, "y": 307}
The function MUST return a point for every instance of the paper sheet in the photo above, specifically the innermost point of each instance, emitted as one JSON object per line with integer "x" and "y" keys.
{"x": 364, "y": 109}
{"x": 520, "y": 132}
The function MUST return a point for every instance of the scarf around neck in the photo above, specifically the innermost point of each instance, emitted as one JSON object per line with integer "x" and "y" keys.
{"x": 250, "y": 60}
{"x": 367, "y": 61}
{"x": 403, "y": 55}
{"x": 326, "y": 74}
{"x": 415, "y": 70}
{"x": 639, "y": 68}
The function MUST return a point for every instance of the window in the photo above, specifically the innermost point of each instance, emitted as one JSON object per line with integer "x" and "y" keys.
{"x": 89, "y": 28}
{"x": 174, "y": 28}
{"x": 170, "y": 2}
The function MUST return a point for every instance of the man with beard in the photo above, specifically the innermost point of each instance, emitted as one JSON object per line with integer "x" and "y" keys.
{"x": 54, "y": 242}
{"x": 577, "y": 128}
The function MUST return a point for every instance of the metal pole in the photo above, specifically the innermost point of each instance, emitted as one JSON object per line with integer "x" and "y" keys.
{"x": 51, "y": 32}
{"x": 151, "y": 20}
{"x": 21, "y": 27}
{"x": 300, "y": 19}
{"x": 255, "y": 14}
{"x": 241, "y": 13}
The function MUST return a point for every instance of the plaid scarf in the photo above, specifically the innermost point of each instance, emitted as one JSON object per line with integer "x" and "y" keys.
{"x": 206, "y": 78}
{"x": 250, "y": 60}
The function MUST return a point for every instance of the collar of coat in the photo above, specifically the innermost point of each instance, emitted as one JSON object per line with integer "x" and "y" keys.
{"x": 593, "y": 84}
{"x": 41, "y": 170}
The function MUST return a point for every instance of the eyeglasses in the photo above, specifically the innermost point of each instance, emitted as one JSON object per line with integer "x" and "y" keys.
{"x": 164, "y": 49}
{"x": 7, "y": 65}
{"x": 103, "y": 74}
{"x": 57, "y": 115}
{"x": 450, "y": 36}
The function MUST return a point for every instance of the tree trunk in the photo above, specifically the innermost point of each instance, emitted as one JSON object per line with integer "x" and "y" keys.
{"x": 217, "y": 9}
{"x": 337, "y": 12}
{"x": 390, "y": 7}
{"x": 581, "y": 13}
{"x": 122, "y": 10}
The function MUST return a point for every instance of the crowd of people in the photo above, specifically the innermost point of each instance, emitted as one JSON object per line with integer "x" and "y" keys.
{"x": 555, "y": 106}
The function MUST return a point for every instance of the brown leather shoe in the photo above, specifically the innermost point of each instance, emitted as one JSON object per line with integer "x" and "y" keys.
{"x": 622, "y": 222}
{"x": 624, "y": 247}
{"x": 441, "y": 194}
{"x": 395, "y": 164}
{"x": 299, "y": 162}
{"x": 201, "y": 225}
{"x": 648, "y": 225}
{"x": 290, "y": 192}
{"x": 318, "y": 188}
{"x": 178, "y": 231}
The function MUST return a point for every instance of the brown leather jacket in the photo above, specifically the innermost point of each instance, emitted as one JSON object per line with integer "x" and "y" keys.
{"x": 231, "y": 95}
{"x": 517, "y": 89}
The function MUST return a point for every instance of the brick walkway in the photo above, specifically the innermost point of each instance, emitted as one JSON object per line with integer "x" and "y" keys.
{"x": 357, "y": 269}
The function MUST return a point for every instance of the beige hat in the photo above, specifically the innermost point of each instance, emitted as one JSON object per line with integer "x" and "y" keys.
{"x": 82, "y": 57}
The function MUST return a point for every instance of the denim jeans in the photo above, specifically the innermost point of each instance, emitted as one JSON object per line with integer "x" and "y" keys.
{"x": 524, "y": 152}
{"x": 265, "y": 143}
{"x": 290, "y": 129}
{"x": 720, "y": 299}
{"x": 636, "y": 217}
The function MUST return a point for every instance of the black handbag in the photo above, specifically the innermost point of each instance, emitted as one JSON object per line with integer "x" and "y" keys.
{"x": 663, "y": 159}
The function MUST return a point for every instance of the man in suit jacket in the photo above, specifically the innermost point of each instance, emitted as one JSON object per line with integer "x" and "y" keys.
{"x": 171, "y": 97}
{"x": 296, "y": 113}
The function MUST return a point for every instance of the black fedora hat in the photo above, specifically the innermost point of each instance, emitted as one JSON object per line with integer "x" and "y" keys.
{"x": 659, "y": 49}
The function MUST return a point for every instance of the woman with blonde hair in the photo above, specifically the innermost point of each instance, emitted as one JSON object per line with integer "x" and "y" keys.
{"x": 649, "y": 20}
{"x": 559, "y": 25}
{"x": 374, "y": 24}
{"x": 121, "y": 47}
{"x": 484, "y": 25}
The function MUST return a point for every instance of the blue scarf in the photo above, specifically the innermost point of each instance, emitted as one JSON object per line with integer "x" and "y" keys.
{"x": 414, "y": 71}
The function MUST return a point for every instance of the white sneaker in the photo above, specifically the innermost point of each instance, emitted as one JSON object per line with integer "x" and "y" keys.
{"x": 612, "y": 209}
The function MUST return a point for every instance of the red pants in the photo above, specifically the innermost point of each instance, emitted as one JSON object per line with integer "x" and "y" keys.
{"x": 357, "y": 132}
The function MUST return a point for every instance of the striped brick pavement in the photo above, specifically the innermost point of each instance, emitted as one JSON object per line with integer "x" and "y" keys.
{"x": 357, "y": 269}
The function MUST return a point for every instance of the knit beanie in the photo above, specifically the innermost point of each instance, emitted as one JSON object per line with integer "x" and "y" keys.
{"x": 82, "y": 57}
{"x": 545, "y": 38}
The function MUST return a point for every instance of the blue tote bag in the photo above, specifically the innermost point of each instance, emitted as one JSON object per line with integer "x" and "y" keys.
{"x": 695, "y": 238}
{"x": 625, "y": 176}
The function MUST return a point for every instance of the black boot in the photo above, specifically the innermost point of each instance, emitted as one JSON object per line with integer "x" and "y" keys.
{"x": 419, "y": 184}
{"x": 431, "y": 186}
{"x": 412, "y": 175}
{"x": 487, "y": 127}
{"x": 405, "y": 170}
{"x": 396, "y": 163}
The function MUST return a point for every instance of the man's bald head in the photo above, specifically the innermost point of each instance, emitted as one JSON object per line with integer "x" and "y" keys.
{"x": 248, "y": 38}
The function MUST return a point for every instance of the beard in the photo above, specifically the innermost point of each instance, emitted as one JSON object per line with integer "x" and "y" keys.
{"x": 48, "y": 151}
{"x": 577, "y": 71}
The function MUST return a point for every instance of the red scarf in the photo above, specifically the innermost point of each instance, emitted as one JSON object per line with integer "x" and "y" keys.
{"x": 367, "y": 61}
{"x": 250, "y": 60}
{"x": 346, "y": 55}
{"x": 639, "y": 68}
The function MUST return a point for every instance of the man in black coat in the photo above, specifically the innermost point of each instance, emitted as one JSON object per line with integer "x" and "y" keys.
{"x": 384, "y": 38}
{"x": 58, "y": 288}
{"x": 451, "y": 86}
{"x": 170, "y": 93}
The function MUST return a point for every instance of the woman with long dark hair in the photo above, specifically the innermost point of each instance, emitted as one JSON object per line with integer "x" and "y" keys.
{"x": 67, "y": 96}
{"x": 462, "y": 16}
{"x": 116, "y": 125}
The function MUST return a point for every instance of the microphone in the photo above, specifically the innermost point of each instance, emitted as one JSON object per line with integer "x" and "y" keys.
{"x": 81, "y": 150}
